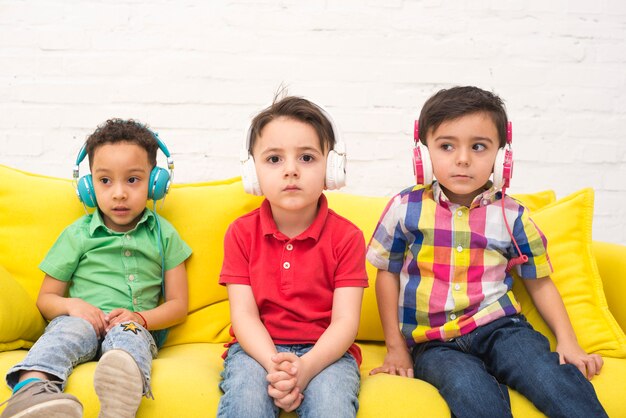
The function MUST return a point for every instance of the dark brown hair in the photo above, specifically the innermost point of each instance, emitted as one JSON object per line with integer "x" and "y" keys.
{"x": 449, "y": 104}
{"x": 299, "y": 109}
{"x": 120, "y": 130}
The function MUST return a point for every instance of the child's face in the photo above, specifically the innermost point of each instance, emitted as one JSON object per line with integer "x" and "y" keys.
{"x": 290, "y": 165}
{"x": 121, "y": 173}
{"x": 463, "y": 152}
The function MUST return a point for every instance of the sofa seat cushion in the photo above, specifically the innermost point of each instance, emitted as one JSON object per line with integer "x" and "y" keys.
{"x": 404, "y": 397}
{"x": 185, "y": 382}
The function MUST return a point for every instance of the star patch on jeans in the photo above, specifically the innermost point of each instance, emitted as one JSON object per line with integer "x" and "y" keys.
{"x": 130, "y": 326}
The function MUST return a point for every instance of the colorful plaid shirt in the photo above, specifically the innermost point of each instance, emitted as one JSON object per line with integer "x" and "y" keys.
{"x": 452, "y": 259}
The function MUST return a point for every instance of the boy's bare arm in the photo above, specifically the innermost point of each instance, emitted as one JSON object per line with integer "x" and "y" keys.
{"x": 335, "y": 340}
{"x": 171, "y": 312}
{"x": 250, "y": 332}
{"x": 52, "y": 303}
{"x": 398, "y": 359}
{"x": 549, "y": 303}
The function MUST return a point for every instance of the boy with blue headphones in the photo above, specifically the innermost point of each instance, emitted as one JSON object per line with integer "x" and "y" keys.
{"x": 443, "y": 251}
{"x": 105, "y": 275}
{"x": 295, "y": 273}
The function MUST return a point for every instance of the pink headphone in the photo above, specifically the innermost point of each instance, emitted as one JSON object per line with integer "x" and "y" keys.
{"x": 502, "y": 168}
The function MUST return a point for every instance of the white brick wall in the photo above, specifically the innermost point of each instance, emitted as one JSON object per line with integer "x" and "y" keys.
{"x": 197, "y": 70}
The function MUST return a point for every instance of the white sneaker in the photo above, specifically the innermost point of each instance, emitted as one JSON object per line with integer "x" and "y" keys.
{"x": 119, "y": 385}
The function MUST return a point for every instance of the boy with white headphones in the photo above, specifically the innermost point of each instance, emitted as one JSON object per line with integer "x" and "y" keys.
{"x": 443, "y": 252}
{"x": 104, "y": 277}
{"x": 295, "y": 273}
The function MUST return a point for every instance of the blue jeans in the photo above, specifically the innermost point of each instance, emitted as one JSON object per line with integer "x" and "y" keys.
{"x": 470, "y": 372}
{"x": 69, "y": 341}
{"x": 332, "y": 393}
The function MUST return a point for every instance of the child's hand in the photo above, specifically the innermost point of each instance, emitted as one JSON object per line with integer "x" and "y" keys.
{"x": 283, "y": 379}
{"x": 588, "y": 364}
{"x": 120, "y": 315}
{"x": 397, "y": 362}
{"x": 81, "y": 309}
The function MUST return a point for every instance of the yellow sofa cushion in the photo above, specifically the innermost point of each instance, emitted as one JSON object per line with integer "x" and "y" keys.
{"x": 20, "y": 320}
{"x": 567, "y": 227}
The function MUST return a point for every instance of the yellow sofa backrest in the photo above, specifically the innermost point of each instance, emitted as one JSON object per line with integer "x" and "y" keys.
{"x": 34, "y": 209}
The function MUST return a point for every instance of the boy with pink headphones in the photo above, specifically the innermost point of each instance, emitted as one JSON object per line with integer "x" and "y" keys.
{"x": 295, "y": 273}
{"x": 443, "y": 253}
{"x": 104, "y": 277}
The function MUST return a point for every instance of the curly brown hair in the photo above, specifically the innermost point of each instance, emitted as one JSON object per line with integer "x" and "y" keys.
{"x": 121, "y": 130}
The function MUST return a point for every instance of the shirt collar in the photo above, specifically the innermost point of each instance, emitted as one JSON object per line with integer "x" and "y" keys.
{"x": 489, "y": 195}
{"x": 268, "y": 226}
{"x": 98, "y": 223}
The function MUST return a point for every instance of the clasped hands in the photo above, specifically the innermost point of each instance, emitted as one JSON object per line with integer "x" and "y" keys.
{"x": 286, "y": 379}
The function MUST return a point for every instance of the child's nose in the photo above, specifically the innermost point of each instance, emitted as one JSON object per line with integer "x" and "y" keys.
{"x": 463, "y": 157}
{"x": 119, "y": 192}
{"x": 291, "y": 168}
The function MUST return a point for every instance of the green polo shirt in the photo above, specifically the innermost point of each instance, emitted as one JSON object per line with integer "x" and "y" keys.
{"x": 111, "y": 269}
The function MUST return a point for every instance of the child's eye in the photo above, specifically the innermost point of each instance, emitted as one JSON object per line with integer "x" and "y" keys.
{"x": 133, "y": 180}
{"x": 273, "y": 159}
{"x": 446, "y": 147}
{"x": 105, "y": 180}
{"x": 307, "y": 158}
{"x": 479, "y": 147}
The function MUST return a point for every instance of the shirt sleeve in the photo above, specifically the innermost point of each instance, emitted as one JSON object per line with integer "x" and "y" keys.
{"x": 350, "y": 270}
{"x": 62, "y": 259}
{"x": 235, "y": 267}
{"x": 176, "y": 250}
{"x": 388, "y": 244}
{"x": 534, "y": 245}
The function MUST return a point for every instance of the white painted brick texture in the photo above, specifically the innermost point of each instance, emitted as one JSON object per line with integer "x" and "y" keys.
{"x": 197, "y": 70}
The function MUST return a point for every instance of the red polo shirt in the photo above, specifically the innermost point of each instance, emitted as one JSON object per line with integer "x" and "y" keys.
{"x": 293, "y": 280}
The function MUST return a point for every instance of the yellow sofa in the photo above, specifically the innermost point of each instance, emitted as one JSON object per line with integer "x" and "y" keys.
{"x": 34, "y": 209}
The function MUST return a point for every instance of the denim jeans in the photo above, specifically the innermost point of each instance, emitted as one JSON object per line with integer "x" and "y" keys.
{"x": 470, "y": 372}
{"x": 332, "y": 393}
{"x": 69, "y": 341}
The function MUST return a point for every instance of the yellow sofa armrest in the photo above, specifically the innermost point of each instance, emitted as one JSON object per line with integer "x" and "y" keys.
{"x": 20, "y": 321}
{"x": 611, "y": 261}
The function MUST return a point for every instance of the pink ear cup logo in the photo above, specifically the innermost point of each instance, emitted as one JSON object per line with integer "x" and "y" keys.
{"x": 418, "y": 165}
{"x": 507, "y": 171}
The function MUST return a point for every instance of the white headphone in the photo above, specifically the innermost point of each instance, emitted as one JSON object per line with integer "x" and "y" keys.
{"x": 335, "y": 163}
{"x": 502, "y": 168}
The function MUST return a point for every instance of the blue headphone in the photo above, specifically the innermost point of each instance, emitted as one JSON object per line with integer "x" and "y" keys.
{"x": 159, "y": 183}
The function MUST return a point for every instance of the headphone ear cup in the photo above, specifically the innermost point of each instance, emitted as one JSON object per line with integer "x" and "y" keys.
{"x": 85, "y": 191}
{"x": 336, "y": 167}
{"x": 248, "y": 175}
{"x": 422, "y": 165}
{"x": 503, "y": 168}
{"x": 159, "y": 183}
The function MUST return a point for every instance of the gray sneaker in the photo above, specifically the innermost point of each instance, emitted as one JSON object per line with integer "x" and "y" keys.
{"x": 42, "y": 399}
{"x": 119, "y": 385}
